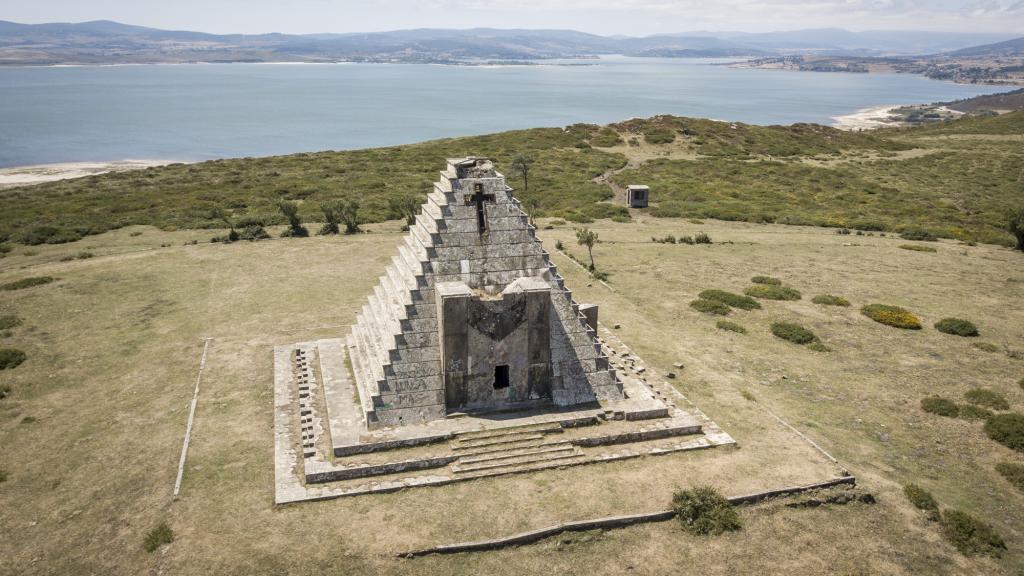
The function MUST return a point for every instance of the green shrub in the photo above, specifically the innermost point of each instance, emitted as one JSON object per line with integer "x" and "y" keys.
{"x": 701, "y": 238}
{"x": 11, "y": 358}
{"x": 987, "y": 398}
{"x": 48, "y": 235}
{"x": 957, "y": 327}
{"x": 731, "y": 326}
{"x": 830, "y": 300}
{"x": 157, "y": 537}
{"x": 703, "y": 510}
{"x": 9, "y": 321}
{"x": 986, "y": 347}
{"x": 766, "y": 280}
{"x": 918, "y": 248}
{"x": 970, "y": 535}
{"x": 922, "y": 500}
{"x": 710, "y": 307}
{"x": 972, "y": 412}
{"x": 730, "y": 299}
{"x": 892, "y": 316}
{"x": 27, "y": 282}
{"x": 772, "y": 292}
{"x": 659, "y": 135}
{"x": 919, "y": 235}
{"x": 253, "y": 232}
{"x": 794, "y": 333}
{"x": 1015, "y": 225}
{"x": 605, "y": 138}
{"x": 1013, "y": 472}
{"x": 941, "y": 406}
{"x": 1007, "y": 429}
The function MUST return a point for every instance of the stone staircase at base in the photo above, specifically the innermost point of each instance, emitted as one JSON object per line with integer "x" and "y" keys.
{"x": 512, "y": 450}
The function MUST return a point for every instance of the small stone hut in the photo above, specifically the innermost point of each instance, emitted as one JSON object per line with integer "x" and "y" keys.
{"x": 637, "y": 195}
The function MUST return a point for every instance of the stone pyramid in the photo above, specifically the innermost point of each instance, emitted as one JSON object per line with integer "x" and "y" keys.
{"x": 471, "y": 316}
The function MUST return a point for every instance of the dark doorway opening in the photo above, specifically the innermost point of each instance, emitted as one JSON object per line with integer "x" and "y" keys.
{"x": 501, "y": 377}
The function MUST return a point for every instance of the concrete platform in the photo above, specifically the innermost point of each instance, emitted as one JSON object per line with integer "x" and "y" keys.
{"x": 323, "y": 449}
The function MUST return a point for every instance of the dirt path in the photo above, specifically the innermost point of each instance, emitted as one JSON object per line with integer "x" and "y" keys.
{"x": 606, "y": 180}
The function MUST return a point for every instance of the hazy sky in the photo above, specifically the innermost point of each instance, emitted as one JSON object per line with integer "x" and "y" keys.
{"x": 632, "y": 17}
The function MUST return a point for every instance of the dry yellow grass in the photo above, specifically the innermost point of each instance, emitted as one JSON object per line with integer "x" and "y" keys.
{"x": 114, "y": 346}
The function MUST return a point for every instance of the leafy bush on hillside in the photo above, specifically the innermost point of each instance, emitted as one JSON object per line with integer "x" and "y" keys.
{"x": 922, "y": 500}
{"x": 658, "y": 135}
{"x": 157, "y": 537}
{"x": 9, "y": 321}
{"x": 1015, "y": 225}
{"x": 1007, "y": 429}
{"x": 701, "y": 238}
{"x": 11, "y": 358}
{"x": 972, "y": 412}
{"x": 772, "y": 292}
{"x": 703, "y": 510}
{"x": 766, "y": 280}
{"x": 730, "y": 326}
{"x": 941, "y": 406}
{"x": 987, "y": 398}
{"x": 892, "y": 316}
{"x": 27, "y": 282}
{"x": 830, "y": 300}
{"x": 253, "y": 232}
{"x": 605, "y": 138}
{"x": 710, "y": 307}
{"x": 730, "y": 299}
{"x": 957, "y": 327}
{"x": 48, "y": 235}
{"x": 970, "y": 535}
{"x": 794, "y": 333}
{"x": 1013, "y": 472}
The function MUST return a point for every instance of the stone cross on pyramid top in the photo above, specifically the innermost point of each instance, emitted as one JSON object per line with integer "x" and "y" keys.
{"x": 479, "y": 198}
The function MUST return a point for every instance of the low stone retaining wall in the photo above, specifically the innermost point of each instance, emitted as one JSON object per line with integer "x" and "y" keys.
{"x": 611, "y": 522}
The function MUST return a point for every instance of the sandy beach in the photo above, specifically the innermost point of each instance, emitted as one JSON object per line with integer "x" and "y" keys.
{"x": 26, "y": 175}
{"x": 866, "y": 119}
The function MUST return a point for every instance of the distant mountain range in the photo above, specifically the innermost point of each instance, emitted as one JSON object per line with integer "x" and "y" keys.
{"x": 105, "y": 42}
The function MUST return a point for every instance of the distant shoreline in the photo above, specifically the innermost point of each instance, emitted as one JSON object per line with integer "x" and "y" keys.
{"x": 42, "y": 173}
{"x": 867, "y": 118}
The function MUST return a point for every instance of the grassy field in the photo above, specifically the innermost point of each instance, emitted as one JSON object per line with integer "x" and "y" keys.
{"x": 956, "y": 179}
{"x": 91, "y": 431}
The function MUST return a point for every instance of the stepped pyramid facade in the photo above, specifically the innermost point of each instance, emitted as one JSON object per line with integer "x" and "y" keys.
{"x": 471, "y": 316}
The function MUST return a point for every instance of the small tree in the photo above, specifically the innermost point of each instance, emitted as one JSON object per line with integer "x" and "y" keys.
{"x": 332, "y": 214}
{"x": 291, "y": 212}
{"x": 1015, "y": 225}
{"x": 587, "y": 237}
{"x": 521, "y": 165}
{"x": 532, "y": 205}
{"x": 349, "y": 212}
{"x": 405, "y": 206}
{"x": 218, "y": 214}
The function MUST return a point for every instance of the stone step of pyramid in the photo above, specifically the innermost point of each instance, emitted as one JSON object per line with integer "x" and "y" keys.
{"x": 511, "y": 445}
{"x": 459, "y": 445}
{"x": 521, "y": 464}
{"x": 521, "y": 452}
{"x": 546, "y": 427}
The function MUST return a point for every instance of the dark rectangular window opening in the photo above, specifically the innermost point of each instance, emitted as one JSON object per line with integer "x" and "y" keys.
{"x": 501, "y": 377}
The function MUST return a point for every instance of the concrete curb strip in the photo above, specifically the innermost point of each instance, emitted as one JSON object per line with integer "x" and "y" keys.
{"x": 610, "y": 522}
